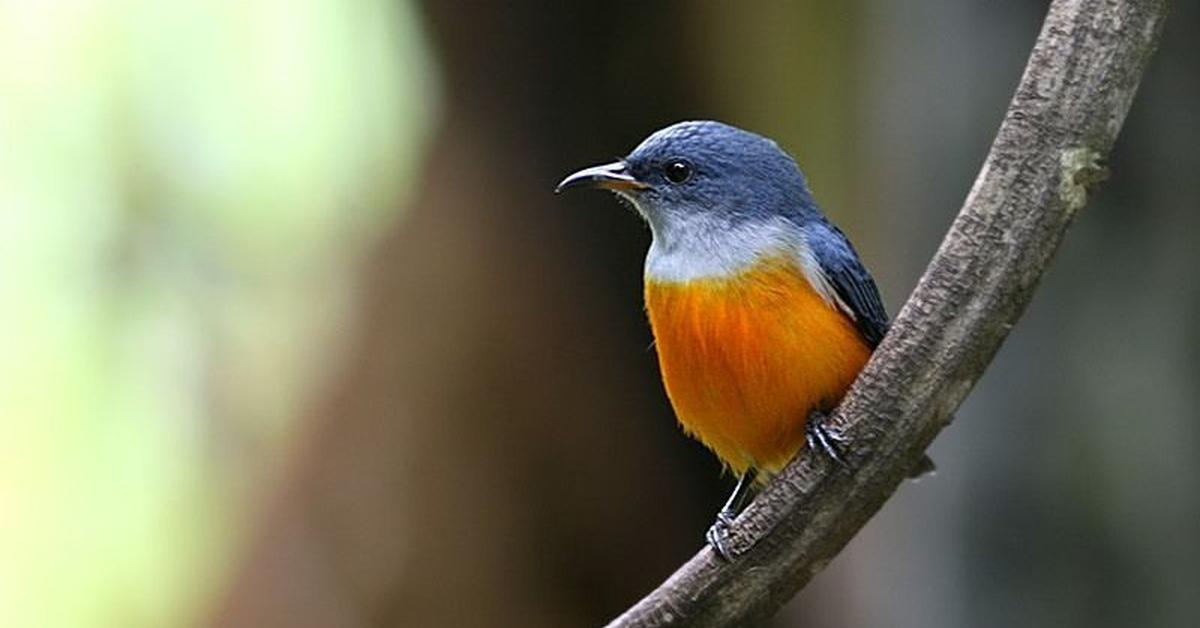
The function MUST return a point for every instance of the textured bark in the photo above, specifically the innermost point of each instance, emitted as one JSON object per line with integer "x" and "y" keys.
{"x": 1048, "y": 155}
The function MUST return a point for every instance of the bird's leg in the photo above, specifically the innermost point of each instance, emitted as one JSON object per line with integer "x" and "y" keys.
{"x": 718, "y": 533}
{"x": 820, "y": 438}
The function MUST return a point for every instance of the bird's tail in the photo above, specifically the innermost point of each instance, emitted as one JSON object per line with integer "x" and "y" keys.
{"x": 924, "y": 467}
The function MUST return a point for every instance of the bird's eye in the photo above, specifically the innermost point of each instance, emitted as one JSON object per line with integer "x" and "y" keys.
{"x": 677, "y": 171}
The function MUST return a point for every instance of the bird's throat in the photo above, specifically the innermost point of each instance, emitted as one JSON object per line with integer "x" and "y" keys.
{"x": 698, "y": 248}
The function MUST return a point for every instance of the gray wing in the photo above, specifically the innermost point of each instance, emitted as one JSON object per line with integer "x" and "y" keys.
{"x": 850, "y": 280}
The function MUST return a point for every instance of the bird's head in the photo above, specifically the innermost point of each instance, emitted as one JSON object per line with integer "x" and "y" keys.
{"x": 705, "y": 172}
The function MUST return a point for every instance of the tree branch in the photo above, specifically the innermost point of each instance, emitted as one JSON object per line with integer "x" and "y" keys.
{"x": 1072, "y": 99}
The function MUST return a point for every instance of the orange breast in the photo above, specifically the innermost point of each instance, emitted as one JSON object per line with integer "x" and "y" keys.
{"x": 746, "y": 358}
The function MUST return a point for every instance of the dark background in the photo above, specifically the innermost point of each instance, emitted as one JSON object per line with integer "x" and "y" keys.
{"x": 549, "y": 485}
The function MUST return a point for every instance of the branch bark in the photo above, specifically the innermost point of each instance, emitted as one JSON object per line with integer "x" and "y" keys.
{"x": 1048, "y": 154}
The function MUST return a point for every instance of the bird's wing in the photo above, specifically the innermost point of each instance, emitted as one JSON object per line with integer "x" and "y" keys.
{"x": 857, "y": 295}
{"x": 854, "y": 286}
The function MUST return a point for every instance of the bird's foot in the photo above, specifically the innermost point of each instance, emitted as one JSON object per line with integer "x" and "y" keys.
{"x": 718, "y": 534}
{"x": 821, "y": 438}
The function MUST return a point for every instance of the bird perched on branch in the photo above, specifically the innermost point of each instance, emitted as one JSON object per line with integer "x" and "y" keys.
{"x": 762, "y": 313}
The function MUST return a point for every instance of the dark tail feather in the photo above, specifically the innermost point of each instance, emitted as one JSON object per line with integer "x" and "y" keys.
{"x": 923, "y": 468}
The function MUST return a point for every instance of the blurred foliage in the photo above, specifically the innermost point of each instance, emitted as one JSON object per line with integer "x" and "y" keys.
{"x": 184, "y": 187}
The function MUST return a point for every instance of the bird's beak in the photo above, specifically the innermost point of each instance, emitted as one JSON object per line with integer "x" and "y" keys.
{"x": 614, "y": 176}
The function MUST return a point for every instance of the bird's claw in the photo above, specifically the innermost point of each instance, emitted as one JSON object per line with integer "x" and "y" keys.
{"x": 820, "y": 438}
{"x": 718, "y": 535}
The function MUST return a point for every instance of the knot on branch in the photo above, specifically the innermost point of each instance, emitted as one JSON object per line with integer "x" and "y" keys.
{"x": 1080, "y": 169}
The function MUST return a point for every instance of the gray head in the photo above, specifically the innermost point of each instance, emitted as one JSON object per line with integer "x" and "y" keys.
{"x": 705, "y": 171}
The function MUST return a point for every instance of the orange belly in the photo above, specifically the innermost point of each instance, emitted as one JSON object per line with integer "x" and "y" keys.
{"x": 746, "y": 358}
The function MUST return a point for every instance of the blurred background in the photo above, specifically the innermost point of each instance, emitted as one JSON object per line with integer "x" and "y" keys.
{"x": 295, "y": 333}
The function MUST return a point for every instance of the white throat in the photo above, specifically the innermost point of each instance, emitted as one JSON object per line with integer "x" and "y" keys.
{"x": 697, "y": 247}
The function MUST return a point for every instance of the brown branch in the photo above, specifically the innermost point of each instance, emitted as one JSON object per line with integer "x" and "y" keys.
{"x": 1077, "y": 87}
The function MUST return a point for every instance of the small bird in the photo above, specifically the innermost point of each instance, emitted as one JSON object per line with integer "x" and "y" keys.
{"x": 762, "y": 313}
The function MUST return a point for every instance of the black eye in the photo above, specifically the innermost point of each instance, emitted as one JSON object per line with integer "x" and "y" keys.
{"x": 677, "y": 171}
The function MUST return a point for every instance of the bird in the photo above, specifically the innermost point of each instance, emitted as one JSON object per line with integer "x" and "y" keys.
{"x": 762, "y": 312}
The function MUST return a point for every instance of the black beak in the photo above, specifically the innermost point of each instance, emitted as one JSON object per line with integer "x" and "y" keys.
{"x": 614, "y": 176}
